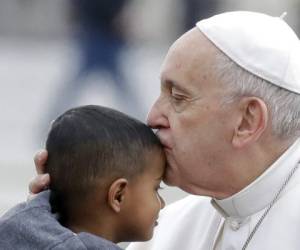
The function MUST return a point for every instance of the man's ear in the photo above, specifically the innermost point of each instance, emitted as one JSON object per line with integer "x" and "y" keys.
{"x": 116, "y": 194}
{"x": 252, "y": 122}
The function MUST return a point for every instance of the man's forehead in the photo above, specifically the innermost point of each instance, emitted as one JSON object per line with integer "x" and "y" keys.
{"x": 190, "y": 57}
{"x": 190, "y": 45}
{"x": 177, "y": 54}
{"x": 188, "y": 41}
{"x": 189, "y": 36}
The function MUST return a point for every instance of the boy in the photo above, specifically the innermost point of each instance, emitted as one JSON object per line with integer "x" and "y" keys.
{"x": 105, "y": 170}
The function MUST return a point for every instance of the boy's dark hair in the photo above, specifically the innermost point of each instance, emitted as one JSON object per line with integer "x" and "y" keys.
{"x": 92, "y": 143}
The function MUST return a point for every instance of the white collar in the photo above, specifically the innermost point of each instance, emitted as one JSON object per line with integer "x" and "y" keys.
{"x": 260, "y": 193}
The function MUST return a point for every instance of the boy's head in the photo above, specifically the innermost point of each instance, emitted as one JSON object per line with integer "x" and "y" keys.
{"x": 105, "y": 170}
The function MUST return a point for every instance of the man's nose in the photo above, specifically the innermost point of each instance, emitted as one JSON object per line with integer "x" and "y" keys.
{"x": 157, "y": 116}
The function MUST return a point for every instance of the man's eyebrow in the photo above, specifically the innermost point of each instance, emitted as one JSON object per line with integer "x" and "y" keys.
{"x": 173, "y": 84}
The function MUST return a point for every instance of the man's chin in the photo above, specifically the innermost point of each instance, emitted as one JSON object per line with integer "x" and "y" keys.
{"x": 169, "y": 178}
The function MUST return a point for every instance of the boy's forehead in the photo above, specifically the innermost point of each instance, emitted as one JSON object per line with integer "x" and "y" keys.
{"x": 155, "y": 163}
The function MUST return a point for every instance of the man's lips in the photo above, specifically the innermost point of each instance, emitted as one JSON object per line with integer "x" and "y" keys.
{"x": 167, "y": 149}
{"x": 165, "y": 145}
{"x": 164, "y": 141}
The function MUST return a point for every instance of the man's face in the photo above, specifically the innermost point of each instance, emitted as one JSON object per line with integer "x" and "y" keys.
{"x": 192, "y": 123}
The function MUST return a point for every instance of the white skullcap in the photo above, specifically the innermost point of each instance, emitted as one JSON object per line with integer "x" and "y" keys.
{"x": 263, "y": 45}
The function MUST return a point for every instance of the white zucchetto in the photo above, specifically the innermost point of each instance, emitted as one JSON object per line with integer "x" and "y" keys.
{"x": 263, "y": 45}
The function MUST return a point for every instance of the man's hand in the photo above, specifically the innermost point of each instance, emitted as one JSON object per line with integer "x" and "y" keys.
{"x": 42, "y": 180}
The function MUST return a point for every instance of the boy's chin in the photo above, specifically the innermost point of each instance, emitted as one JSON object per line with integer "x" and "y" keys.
{"x": 138, "y": 236}
{"x": 145, "y": 237}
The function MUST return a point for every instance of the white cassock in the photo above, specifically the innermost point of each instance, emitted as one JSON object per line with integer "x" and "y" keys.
{"x": 200, "y": 223}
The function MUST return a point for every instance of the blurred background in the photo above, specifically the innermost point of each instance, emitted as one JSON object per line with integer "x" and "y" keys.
{"x": 56, "y": 54}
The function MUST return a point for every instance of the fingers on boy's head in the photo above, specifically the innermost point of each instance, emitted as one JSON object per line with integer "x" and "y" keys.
{"x": 40, "y": 160}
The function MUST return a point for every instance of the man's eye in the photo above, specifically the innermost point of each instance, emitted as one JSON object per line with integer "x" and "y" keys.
{"x": 177, "y": 98}
{"x": 178, "y": 102}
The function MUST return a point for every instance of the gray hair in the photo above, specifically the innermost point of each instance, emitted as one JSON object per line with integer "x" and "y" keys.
{"x": 283, "y": 105}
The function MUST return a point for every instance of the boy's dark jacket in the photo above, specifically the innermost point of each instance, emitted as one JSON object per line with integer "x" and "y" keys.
{"x": 31, "y": 225}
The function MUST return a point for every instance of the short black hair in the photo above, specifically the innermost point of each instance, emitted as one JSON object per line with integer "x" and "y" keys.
{"x": 92, "y": 142}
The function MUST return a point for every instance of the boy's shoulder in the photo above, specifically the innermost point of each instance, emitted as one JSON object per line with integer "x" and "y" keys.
{"x": 31, "y": 225}
{"x": 25, "y": 209}
{"x": 94, "y": 242}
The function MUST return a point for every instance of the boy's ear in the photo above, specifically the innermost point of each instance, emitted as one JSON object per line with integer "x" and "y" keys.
{"x": 252, "y": 122}
{"x": 116, "y": 194}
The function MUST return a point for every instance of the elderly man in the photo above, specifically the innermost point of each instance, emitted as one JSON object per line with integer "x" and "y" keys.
{"x": 229, "y": 119}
